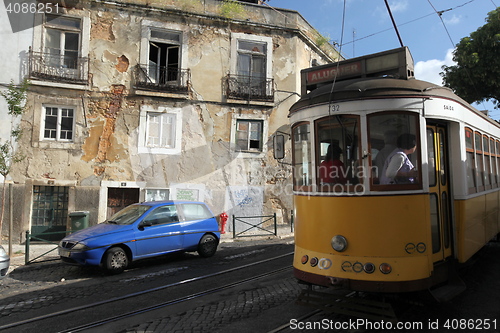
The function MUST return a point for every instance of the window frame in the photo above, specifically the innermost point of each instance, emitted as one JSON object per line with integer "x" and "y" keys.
{"x": 234, "y": 133}
{"x": 268, "y": 41}
{"x": 418, "y": 152}
{"x": 308, "y": 186}
{"x": 143, "y": 147}
{"x": 338, "y": 187}
{"x": 58, "y": 123}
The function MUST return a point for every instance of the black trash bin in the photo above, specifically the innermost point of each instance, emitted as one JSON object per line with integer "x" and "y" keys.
{"x": 79, "y": 220}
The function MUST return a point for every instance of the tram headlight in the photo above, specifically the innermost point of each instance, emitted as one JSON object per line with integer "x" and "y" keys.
{"x": 339, "y": 243}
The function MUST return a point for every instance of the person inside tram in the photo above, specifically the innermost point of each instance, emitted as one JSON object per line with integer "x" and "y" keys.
{"x": 398, "y": 168}
{"x": 390, "y": 139}
{"x": 332, "y": 169}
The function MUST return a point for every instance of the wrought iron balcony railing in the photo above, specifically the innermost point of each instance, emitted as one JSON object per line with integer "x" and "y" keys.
{"x": 249, "y": 88}
{"x": 161, "y": 78}
{"x": 59, "y": 68}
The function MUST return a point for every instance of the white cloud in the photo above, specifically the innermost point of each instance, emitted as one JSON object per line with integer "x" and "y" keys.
{"x": 398, "y": 6}
{"x": 429, "y": 70}
{"x": 454, "y": 20}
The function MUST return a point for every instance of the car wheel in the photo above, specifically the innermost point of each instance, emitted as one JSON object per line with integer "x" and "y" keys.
{"x": 115, "y": 260}
{"x": 207, "y": 246}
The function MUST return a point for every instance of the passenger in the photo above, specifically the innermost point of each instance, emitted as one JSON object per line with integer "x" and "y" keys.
{"x": 390, "y": 139}
{"x": 332, "y": 169}
{"x": 398, "y": 168}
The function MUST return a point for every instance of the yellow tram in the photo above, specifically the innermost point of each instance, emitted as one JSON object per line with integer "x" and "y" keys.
{"x": 361, "y": 227}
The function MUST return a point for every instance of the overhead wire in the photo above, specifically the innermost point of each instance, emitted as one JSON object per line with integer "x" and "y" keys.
{"x": 440, "y": 15}
{"x": 411, "y": 21}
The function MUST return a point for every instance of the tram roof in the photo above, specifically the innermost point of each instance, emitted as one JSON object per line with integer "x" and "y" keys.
{"x": 374, "y": 87}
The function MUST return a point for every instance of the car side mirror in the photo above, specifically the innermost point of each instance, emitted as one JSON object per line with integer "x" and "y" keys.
{"x": 144, "y": 224}
{"x": 279, "y": 146}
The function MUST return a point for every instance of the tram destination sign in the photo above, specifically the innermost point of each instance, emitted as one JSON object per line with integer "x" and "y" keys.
{"x": 397, "y": 63}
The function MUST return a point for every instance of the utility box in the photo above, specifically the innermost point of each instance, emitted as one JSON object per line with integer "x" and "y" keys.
{"x": 79, "y": 220}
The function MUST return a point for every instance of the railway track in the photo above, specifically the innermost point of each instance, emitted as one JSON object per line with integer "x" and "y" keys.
{"x": 96, "y": 307}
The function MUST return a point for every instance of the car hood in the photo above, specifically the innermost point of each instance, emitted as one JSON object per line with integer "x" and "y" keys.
{"x": 98, "y": 230}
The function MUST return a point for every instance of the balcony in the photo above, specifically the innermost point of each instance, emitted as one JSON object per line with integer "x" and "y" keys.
{"x": 58, "y": 68}
{"x": 162, "y": 79}
{"x": 249, "y": 88}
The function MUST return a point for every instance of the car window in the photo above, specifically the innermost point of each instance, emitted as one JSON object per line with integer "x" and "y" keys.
{"x": 196, "y": 212}
{"x": 163, "y": 214}
{"x": 128, "y": 215}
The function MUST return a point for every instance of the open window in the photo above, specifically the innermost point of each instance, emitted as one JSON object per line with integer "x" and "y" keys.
{"x": 164, "y": 56}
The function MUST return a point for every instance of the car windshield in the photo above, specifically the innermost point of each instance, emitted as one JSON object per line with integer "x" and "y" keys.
{"x": 128, "y": 215}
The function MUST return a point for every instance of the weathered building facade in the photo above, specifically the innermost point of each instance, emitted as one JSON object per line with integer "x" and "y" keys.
{"x": 148, "y": 100}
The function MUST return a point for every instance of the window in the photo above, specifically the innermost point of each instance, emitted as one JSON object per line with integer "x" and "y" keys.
{"x": 497, "y": 175}
{"x": 251, "y": 60}
{"x": 159, "y": 130}
{"x": 301, "y": 146}
{"x": 250, "y": 77}
{"x": 164, "y": 56}
{"x": 479, "y": 160}
{"x": 195, "y": 212}
{"x": 157, "y": 194}
{"x": 60, "y": 49}
{"x": 470, "y": 162}
{"x": 249, "y": 135}
{"x": 493, "y": 159}
{"x": 337, "y": 152}
{"x": 162, "y": 215}
{"x": 62, "y": 41}
{"x": 394, "y": 135}
{"x": 487, "y": 165}
{"x": 58, "y": 123}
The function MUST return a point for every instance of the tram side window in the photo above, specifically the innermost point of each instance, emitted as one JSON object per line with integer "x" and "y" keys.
{"x": 493, "y": 158}
{"x": 337, "y": 152}
{"x": 301, "y": 156}
{"x": 394, "y": 151}
{"x": 479, "y": 161}
{"x": 469, "y": 158}
{"x": 497, "y": 144}
{"x": 487, "y": 164}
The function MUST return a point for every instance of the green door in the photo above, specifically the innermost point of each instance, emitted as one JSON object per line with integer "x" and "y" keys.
{"x": 50, "y": 212}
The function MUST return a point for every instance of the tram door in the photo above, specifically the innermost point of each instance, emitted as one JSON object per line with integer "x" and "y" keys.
{"x": 440, "y": 200}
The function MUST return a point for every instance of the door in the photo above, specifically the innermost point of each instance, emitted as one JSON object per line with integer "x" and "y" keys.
{"x": 439, "y": 192}
{"x": 49, "y": 212}
{"x": 159, "y": 232}
{"x": 119, "y": 198}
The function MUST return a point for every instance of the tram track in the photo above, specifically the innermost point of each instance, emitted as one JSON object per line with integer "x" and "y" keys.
{"x": 77, "y": 309}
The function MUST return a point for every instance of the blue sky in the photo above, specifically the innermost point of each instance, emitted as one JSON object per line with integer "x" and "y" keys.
{"x": 368, "y": 28}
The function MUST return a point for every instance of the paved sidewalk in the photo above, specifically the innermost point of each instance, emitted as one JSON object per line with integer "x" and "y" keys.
{"x": 48, "y": 252}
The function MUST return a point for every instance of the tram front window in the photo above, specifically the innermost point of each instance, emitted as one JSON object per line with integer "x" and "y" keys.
{"x": 394, "y": 151}
{"x": 337, "y": 152}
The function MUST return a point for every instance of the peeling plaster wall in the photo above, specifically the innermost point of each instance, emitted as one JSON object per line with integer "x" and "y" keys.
{"x": 105, "y": 147}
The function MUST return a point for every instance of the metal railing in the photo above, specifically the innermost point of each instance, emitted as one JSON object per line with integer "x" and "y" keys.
{"x": 162, "y": 79}
{"x": 249, "y": 88}
{"x": 37, "y": 237}
{"x": 60, "y": 68}
{"x": 259, "y": 226}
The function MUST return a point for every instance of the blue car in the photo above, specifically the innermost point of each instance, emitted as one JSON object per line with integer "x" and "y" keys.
{"x": 143, "y": 230}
